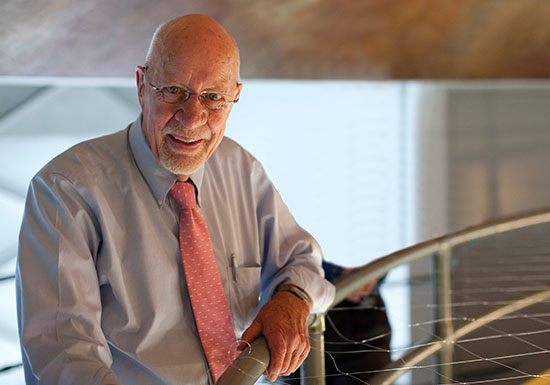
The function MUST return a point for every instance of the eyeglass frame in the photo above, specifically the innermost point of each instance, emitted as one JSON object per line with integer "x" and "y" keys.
{"x": 189, "y": 94}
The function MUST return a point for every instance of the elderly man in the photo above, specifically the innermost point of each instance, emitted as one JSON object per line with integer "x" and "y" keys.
{"x": 145, "y": 255}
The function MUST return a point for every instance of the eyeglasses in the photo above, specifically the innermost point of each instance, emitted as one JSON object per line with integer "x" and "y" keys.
{"x": 179, "y": 95}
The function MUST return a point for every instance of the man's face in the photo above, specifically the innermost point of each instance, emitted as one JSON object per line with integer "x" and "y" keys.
{"x": 184, "y": 135}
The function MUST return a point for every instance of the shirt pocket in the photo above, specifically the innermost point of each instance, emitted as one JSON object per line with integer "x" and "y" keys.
{"x": 245, "y": 292}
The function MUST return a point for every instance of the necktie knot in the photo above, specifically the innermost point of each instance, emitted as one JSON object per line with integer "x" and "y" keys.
{"x": 184, "y": 194}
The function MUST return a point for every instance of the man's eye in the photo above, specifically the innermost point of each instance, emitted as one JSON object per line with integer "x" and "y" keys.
{"x": 173, "y": 90}
{"x": 213, "y": 96}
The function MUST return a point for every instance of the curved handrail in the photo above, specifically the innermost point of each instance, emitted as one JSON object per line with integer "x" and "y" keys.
{"x": 248, "y": 366}
{"x": 256, "y": 356}
{"x": 346, "y": 285}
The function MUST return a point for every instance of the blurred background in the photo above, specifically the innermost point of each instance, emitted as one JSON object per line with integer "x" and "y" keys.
{"x": 425, "y": 116}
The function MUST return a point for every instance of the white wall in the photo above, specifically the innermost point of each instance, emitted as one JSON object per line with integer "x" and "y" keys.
{"x": 333, "y": 149}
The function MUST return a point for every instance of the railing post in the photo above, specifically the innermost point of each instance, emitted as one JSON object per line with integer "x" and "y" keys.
{"x": 313, "y": 368}
{"x": 444, "y": 327}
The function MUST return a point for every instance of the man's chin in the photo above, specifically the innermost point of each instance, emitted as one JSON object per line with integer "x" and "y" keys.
{"x": 182, "y": 166}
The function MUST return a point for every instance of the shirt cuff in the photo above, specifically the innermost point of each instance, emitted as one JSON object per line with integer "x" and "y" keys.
{"x": 297, "y": 292}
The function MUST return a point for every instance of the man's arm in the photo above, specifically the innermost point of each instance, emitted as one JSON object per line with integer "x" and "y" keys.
{"x": 58, "y": 298}
{"x": 290, "y": 258}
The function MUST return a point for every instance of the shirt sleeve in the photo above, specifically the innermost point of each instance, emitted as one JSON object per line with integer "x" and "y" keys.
{"x": 58, "y": 295}
{"x": 290, "y": 255}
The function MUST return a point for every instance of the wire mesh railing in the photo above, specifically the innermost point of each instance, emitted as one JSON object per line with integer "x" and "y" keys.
{"x": 248, "y": 368}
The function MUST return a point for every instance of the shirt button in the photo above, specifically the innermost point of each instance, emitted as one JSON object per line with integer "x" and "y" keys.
{"x": 159, "y": 202}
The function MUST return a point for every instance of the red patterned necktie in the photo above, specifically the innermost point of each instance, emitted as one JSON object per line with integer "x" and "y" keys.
{"x": 204, "y": 283}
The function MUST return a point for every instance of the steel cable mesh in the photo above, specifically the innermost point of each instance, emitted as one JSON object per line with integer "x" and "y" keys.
{"x": 486, "y": 275}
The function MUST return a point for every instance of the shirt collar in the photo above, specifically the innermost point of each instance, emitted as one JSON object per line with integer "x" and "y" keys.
{"x": 159, "y": 180}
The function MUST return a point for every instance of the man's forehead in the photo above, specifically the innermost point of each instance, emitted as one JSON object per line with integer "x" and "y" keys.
{"x": 208, "y": 73}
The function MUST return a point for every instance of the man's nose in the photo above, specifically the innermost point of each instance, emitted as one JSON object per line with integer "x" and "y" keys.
{"x": 192, "y": 113}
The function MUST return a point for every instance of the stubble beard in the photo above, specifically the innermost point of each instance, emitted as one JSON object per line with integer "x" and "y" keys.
{"x": 179, "y": 164}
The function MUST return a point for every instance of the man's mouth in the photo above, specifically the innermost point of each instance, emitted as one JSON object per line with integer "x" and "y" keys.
{"x": 182, "y": 144}
{"x": 184, "y": 140}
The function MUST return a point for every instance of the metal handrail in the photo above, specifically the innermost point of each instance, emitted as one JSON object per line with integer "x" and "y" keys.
{"x": 249, "y": 365}
{"x": 374, "y": 270}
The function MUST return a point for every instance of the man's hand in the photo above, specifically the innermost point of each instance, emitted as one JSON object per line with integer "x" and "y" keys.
{"x": 283, "y": 322}
{"x": 360, "y": 293}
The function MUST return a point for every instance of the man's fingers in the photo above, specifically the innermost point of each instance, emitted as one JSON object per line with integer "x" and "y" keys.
{"x": 299, "y": 355}
{"x": 278, "y": 352}
{"x": 250, "y": 334}
{"x": 290, "y": 365}
{"x": 304, "y": 355}
{"x": 295, "y": 347}
{"x": 293, "y": 351}
{"x": 305, "y": 350}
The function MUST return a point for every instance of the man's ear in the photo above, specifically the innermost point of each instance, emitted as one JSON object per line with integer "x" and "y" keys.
{"x": 239, "y": 89}
{"x": 140, "y": 83}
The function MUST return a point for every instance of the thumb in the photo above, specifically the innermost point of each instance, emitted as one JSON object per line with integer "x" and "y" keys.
{"x": 250, "y": 334}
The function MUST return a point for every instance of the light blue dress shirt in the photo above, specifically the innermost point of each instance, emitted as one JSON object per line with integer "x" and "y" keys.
{"x": 101, "y": 292}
